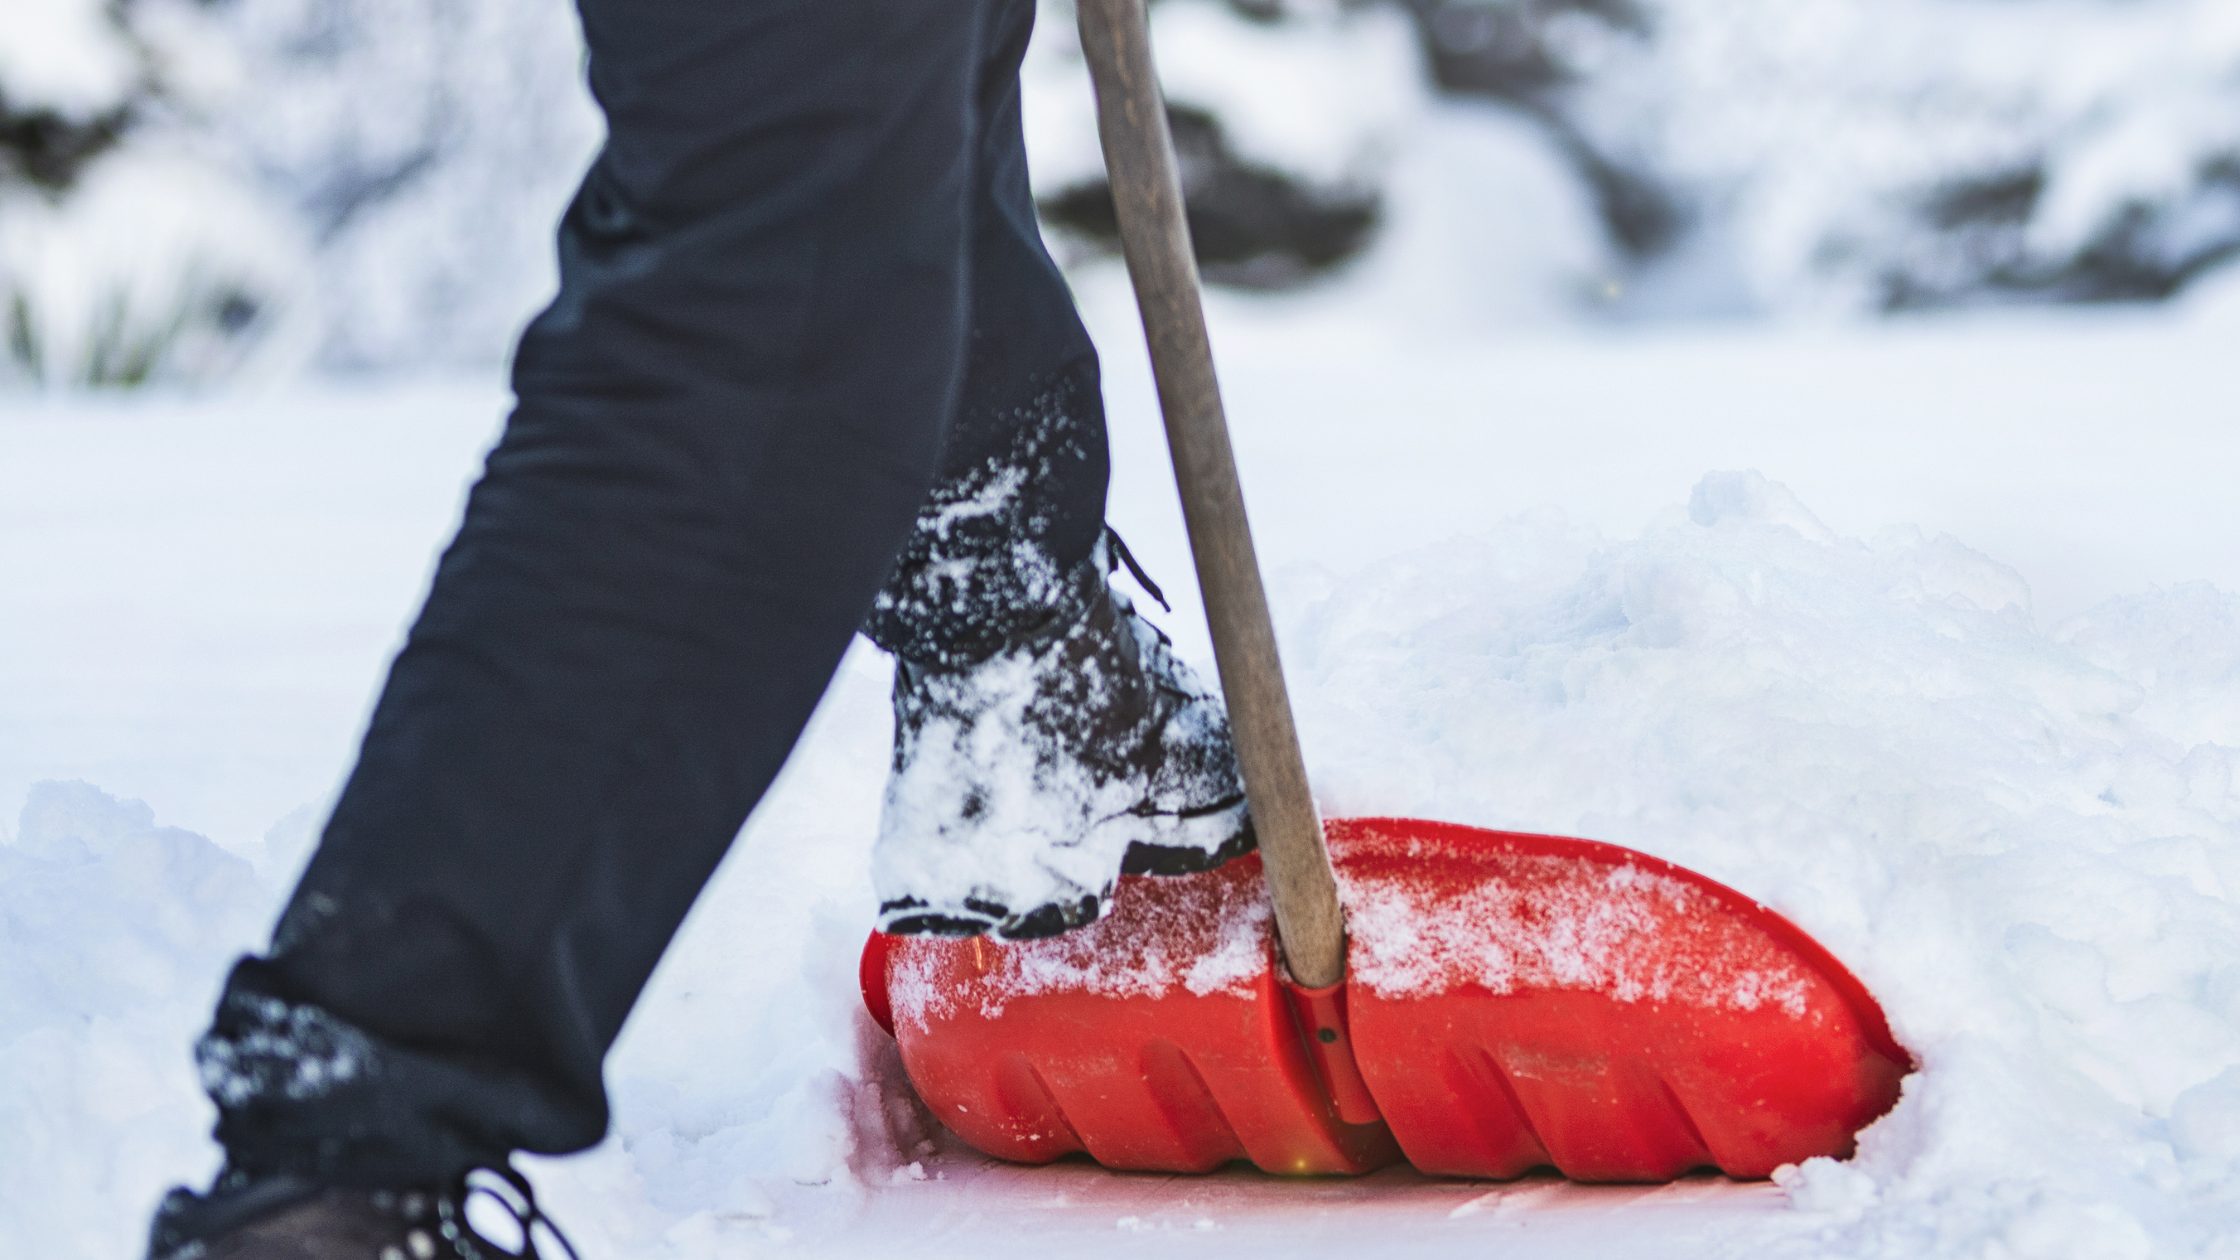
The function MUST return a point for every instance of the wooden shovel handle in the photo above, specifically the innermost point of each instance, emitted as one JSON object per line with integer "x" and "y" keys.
{"x": 1147, "y": 194}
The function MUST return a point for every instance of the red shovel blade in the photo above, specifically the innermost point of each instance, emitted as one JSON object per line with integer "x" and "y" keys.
{"x": 1514, "y": 1001}
{"x": 1518, "y": 1001}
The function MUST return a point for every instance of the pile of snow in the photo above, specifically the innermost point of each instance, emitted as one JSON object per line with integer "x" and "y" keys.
{"x": 2025, "y": 840}
{"x": 1320, "y": 95}
{"x": 130, "y": 250}
{"x": 230, "y": 190}
{"x": 66, "y": 56}
{"x": 1862, "y": 154}
{"x": 1481, "y": 217}
{"x": 2216, "y": 298}
{"x": 155, "y": 267}
{"x": 114, "y": 934}
{"x": 763, "y": 1088}
{"x": 1487, "y": 223}
{"x": 2026, "y": 843}
{"x": 428, "y": 148}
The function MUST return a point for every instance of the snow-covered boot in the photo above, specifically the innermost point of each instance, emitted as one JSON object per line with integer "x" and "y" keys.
{"x": 281, "y": 1217}
{"x": 1024, "y": 786}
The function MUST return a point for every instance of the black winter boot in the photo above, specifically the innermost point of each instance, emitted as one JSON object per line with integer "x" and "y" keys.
{"x": 1023, "y": 786}
{"x": 282, "y": 1217}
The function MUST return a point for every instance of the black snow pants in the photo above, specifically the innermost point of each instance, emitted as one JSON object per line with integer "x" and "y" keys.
{"x": 804, "y": 307}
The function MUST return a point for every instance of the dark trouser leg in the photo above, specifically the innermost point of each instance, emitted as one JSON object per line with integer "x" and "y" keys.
{"x": 728, "y": 420}
{"x": 1020, "y": 498}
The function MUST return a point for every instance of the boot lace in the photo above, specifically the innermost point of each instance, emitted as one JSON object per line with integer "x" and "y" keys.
{"x": 512, "y": 1192}
{"x": 1127, "y": 557}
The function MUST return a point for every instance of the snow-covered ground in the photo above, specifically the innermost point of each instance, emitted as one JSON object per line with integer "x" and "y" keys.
{"x": 1955, "y": 683}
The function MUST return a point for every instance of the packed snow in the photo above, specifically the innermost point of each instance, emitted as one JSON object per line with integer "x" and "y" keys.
{"x": 1986, "y": 757}
{"x": 69, "y": 56}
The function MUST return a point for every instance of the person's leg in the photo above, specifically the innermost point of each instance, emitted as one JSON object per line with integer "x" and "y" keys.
{"x": 1046, "y": 740}
{"x": 1019, "y": 500}
{"x": 728, "y": 419}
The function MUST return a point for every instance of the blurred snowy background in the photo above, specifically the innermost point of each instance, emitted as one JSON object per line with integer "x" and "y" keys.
{"x": 203, "y": 190}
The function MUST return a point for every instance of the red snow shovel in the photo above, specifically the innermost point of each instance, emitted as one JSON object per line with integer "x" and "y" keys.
{"x": 1513, "y": 1001}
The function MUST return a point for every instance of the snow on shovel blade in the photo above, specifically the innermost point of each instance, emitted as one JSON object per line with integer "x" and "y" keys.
{"x": 1518, "y": 1001}
{"x": 1513, "y": 1001}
